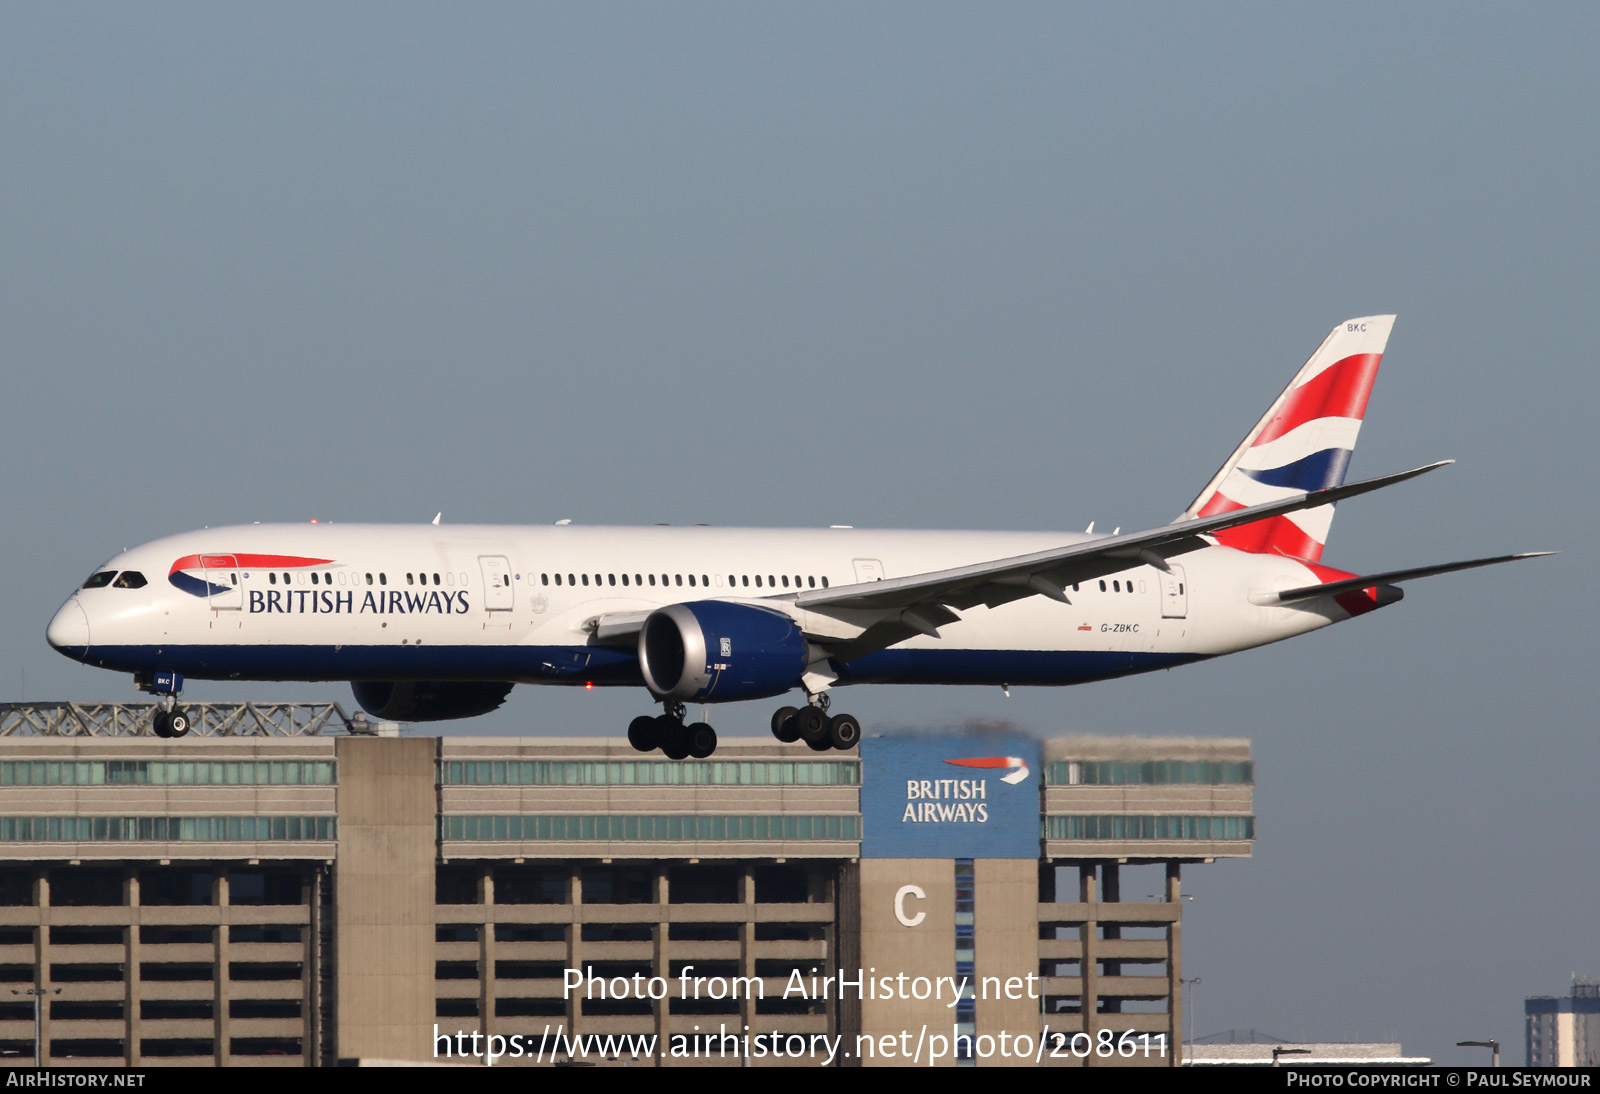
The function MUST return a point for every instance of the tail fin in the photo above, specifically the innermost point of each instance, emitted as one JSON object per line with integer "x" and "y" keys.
{"x": 1302, "y": 443}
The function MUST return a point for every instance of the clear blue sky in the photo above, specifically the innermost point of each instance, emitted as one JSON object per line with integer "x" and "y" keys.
{"x": 913, "y": 265}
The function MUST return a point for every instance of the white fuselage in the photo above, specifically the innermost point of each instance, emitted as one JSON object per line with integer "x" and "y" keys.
{"x": 518, "y": 603}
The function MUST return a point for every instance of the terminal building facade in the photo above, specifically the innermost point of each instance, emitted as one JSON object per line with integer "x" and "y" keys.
{"x": 310, "y": 900}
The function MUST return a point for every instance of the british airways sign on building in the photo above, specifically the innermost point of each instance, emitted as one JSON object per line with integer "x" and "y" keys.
{"x": 953, "y": 797}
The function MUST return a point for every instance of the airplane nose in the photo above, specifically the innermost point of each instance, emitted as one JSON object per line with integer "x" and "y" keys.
{"x": 69, "y": 630}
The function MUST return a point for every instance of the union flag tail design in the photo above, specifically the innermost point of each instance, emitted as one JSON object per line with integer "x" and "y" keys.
{"x": 1302, "y": 443}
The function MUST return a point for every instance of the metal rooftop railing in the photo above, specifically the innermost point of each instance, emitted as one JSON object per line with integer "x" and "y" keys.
{"x": 70, "y": 719}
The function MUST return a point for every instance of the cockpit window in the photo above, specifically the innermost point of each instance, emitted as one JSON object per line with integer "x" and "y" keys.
{"x": 100, "y": 580}
{"x": 129, "y": 579}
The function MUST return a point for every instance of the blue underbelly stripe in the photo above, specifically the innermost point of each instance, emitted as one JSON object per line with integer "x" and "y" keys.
{"x": 608, "y": 667}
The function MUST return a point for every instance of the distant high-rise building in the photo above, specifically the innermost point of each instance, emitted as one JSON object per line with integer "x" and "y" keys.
{"x": 1564, "y": 1030}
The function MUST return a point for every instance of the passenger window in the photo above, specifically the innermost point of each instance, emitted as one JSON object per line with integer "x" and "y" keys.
{"x": 100, "y": 580}
{"x": 637, "y": 580}
{"x": 679, "y": 577}
{"x": 824, "y": 582}
{"x": 544, "y": 579}
{"x": 652, "y": 579}
{"x": 1102, "y": 585}
{"x": 383, "y": 578}
{"x": 436, "y": 579}
{"x": 369, "y": 579}
{"x": 613, "y": 578}
{"x": 129, "y": 579}
{"x": 272, "y": 578}
{"x": 586, "y": 579}
{"x": 746, "y": 580}
{"x": 409, "y": 581}
{"x": 758, "y": 581}
{"x": 811, "y": 583}
{"x": 691, "y": 581}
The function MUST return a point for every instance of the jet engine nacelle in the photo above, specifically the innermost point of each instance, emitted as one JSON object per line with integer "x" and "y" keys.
{"x": 428, "y": 700}
{"x": 713, "y": 651}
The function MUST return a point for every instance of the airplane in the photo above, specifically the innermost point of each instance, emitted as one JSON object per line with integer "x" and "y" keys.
{"x": 430, "y": 622}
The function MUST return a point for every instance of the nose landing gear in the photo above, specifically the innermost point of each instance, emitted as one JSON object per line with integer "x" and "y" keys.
{"x": 169, "y": 720}
{"x": 173, "y": 722}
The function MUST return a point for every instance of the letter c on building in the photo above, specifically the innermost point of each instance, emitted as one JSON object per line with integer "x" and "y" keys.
{"x": 900, "y": 905}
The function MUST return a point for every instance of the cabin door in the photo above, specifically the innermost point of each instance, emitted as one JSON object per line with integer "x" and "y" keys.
{"x": 496, "y": 583}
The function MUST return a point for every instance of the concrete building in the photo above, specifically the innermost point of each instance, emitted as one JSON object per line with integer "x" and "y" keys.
{"x": 1252, "y": 1048}
{"x": 1564, "y": 1031}
{"x": 303, "y": 900}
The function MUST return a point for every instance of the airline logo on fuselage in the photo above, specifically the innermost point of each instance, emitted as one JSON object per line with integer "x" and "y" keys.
{"x": 190, "y": 572}
{"x": 200, "y": 576}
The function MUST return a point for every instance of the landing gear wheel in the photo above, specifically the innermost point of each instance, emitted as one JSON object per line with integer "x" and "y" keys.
{"x": 643, "y": 734}
{"x": 160, "y": 724}
{"x": 783, "y": 725}
{"x": 177, "y": 723}
{"x": 812, "y": 726}
{"x": 844, "y": 732}
{"x": 702, "y": 740}
{"x": 674, "y": 738}
{"x": 821, "y": 744}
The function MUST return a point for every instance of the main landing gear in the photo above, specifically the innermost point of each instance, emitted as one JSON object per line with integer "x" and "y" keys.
{"x": 812, "y": 725}
{"x": 668, "y": 733}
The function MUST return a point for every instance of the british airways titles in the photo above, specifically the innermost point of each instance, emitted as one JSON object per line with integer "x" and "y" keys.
{"x": 375, "y": 602}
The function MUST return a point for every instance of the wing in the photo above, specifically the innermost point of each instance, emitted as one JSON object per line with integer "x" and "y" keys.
{"x": 922, "y": 603}
{"x": 881, "y": 613}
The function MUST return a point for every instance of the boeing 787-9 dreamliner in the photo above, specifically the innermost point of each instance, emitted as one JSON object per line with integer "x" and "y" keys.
{"x": 432, "y": 622}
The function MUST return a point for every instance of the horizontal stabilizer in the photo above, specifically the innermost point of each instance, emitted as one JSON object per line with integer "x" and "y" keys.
{"x": 1393, "y": 577}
